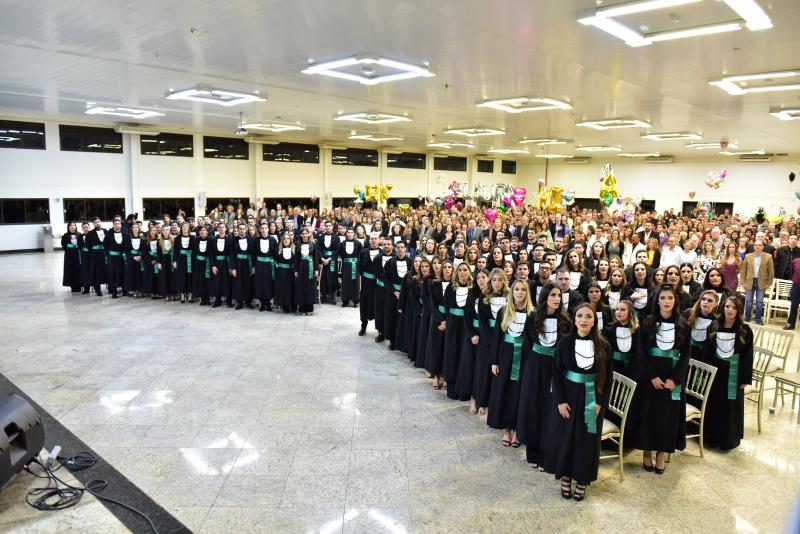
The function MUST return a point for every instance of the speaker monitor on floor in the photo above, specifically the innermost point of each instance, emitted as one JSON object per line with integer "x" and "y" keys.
{"x": 21, "y": 436}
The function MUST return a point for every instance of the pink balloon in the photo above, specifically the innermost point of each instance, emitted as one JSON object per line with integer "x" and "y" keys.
{"x": 507, "y": 202}
{"x": 723, "y": 174}
{"x": 490, "y": 214}
{"x": 448, "y": 203}
{"x": 519, "y": 199}
{"x": 460, "y": 206}
{"x": 692, "y": 193}
{"x": 520, "y": 191}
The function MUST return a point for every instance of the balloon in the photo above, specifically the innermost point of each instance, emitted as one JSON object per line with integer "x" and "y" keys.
{"x": 403, "y": 208}
{"x": 542, "y": 183}
{"x": 569, "y": 197}
{"x": 723, "y": 174}
{"x": 609, "y": 190}
{"x": 448, "y": 203}
{"x": 608, "y": 198}
{"x": 797, "y": 193}
{"x": 713, "y": 180}
{"x": 314, "y": 199}
{"x": 506, "y": 202}
{"x": 760, "y": 215}
{"x": 776, "y": 214}
{"x": 798, "y": 210}
{"x": 619, "y": 199}
{"x": 356, "y": 189}
{"x": 502, "y": 209}
{"x": 692, "y": 193}
{"x": 460, "y": 206}
{"x": 490, "y": 214}
{"x": 362, "y": 195}
{"x": 439, "y": 202}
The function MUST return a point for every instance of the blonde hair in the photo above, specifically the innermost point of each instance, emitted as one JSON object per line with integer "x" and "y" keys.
{"x": 454, "y": 279}
{"x": 511, "y": 307}
{"x": 489, "y": 293}
{"x": 161, "y": 238}
{"x": 633, "y": 320}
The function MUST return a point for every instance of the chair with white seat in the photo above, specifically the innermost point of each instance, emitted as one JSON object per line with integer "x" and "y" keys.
{"x": 698, "y": 385}
{"x": 619, "y": 403}
{"x": 779, "y": 299}
{"x": 755, "y": 392}
{"x": 788, "y": 381}
{"x": 779, "y": 342}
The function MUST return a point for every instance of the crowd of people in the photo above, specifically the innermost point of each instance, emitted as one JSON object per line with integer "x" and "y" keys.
{"x": 525, "y": 317}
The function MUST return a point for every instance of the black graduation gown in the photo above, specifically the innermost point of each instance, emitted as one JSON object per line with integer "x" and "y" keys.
{"x": 661, "y": 414}
{"x": 573, "y": 450}
{"x": 584, "y": 280}
{"x": 97, "y": 257}
{"x": 327, "y": 274}
{"x": 482, "y": 384}
{"x": 86, "y": 262}
{"x": 435, "y": 347}
{"x": 201, "y": 268}
{"x": 379, "y": 293}
{"x": 285, "y": 280}
{"x": 454, "y": 336}
{"x": 407, "y": 309}
{"x": 305, "y": 289}
{"x": 504, "y": 401}
{"x": 367, "y": 270}
{"x": 572, "y": 298}
{"x": 697, "y": 345}
{"x": 393, "y": 278}
{"x": 724, "y": 424}
{"x": 266, "y": 268}
{"x": 182, "y": 257}
{"x": 166, "y": 257}
{"x": 349, "y": 269}
{"x": 221, "y": 259}
{"x": 631, "y": 288}
{"x": 151, "y": 275}
{"x": 624, "y": 348}
{"x": 73, "y": 261}
{"x": 115, "y": 253}
{"x": 465, "y": 379}
{"x": 243, "y": 252}
{"x": 424, "y": 326}
{"x": 135, "y": 271}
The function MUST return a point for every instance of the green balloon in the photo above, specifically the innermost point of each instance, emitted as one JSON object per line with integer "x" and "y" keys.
{"x": 608, "y": 198}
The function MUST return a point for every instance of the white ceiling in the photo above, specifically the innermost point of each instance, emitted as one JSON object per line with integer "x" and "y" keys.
{"x": 59, "y": 55}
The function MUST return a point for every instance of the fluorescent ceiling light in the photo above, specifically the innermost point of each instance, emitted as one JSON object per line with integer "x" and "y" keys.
{"x": 474, "y": 132}
{"x": 375, "y": 137}
{"x": 450, "y": 144}
{"x": 272, "y": 127}
{"x": 132, "y": 113}
{"x": 620, "y": 31}
{"x": 371, "y": 118}
{"x": 709, "y": 146}
{"x": 600, "y": 148}
{"x": 697, "y": 31}
{"x": 732, "y": 85}
{"x": 730, "y": 152}
{"x": 608, "y": 124}
{"x": 545, "y": 141}
{"x": 752, "y": 13}
{"x": 367, "y": 75}
{"x": 792, "y": 114}
{"x": 209, "y": 95}
{"x": 524, "y": 103}
{"x": 672, "y": 136}
{"x": 508, "y": 150}
{"x": 638, "y": 154}
{"x": 637, "y": 7}
{"x": 551, "y": 156}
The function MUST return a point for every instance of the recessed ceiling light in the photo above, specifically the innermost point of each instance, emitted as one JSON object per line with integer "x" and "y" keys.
{"x": 399, "y": 70}
{"x": 789, "y": 114}
{"x": 450, "y": 144}
{"x": 371, "y": 118}
{"x": 272, "y": 127}
{"x": 600, "y": 148}
{"x": 638, "y": 154}
{"x": 524, "y": 103}
{"x": 730, "y": 152}
{"x": 209, "y": 95}
{"x": 751, "y": 12}
{"x": 709, "y": 146}
{"x": 672, "y": 136}
{"x": 551, "y": 156}
{"x": 508, "y": 150}
{"x": 474, "y": 132}
{"x": 132, "y": 113}
{"x": 545, "y": 141}
{"x": 697, "y": 31}
{"x": 608, "y": 124}
{"x": 733, "y": 86}
{"x": 375, "y": 137}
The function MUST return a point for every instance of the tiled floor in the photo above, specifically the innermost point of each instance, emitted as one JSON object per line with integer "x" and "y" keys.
{"x": 262, "y": 422}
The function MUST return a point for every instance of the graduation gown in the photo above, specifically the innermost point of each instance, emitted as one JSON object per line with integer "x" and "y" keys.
{"x": 221, "y": 253}
{"x": 328, "y": 246}
{"x": 379, "y": 293}
{"x": 465, "y": 379}
{"x": 642, "y": 306}
{"x": 570, "y": 299}
{"x": 165, "y": 257}
{"x": 305, "y": 288}
{"x": 202, "y": 249}
{"x": 612, "y": 296}
{"x": 95, "y": 242}
{"x": 511, "y": 357}
{"x": 135, "y": 271}
{"x": 573, "y": 445}
{"x": 661, "y": 414}
{"x": 624, "y": 347}
{"x": 367, "y": 270}
{"x": 182, "y": 256}
{"x": 266, "y": 268}
{"x": 407, "y": 313}
{"x": 349, "y": 252}
{"x": 456, "y": 301}
{"x": 487, "y": 317}
{"x": 244, "y": 250}
{"x": 150, "y": 276}
{"x": 115, "y": 253}
{"x": 284, "y": 279}
{"x": 85, "y": 262}
{"x": 733, "y": 358}
{"x": 393, "y": 273}
{"x": 73, "y": 261}
{"x": 579, "y": 281}
{"x": 435, "y": 346}
{"x": 424, "y": 325}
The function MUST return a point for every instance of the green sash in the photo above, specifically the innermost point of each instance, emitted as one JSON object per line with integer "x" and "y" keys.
{"x": 457, "y": 311}
{"x": 368, "y": 276}
{"x": 328, "y": 254}
{"x": 378, "y": 282}
{"x": 207, "y": 261}
{"x": 101, "y": 248}
{"x": 475, "y": 323}
{"x": 270, "y": 261}
{"x": 517, "y": 359}
{"x": 310, "y": 260}
{"x": 492, "y": 323}
{"x": 247, "y": 257}
{"x": 624, "y": 357}
{"x": 733, "y": 375}
{"x": 675, "y": 355}
{"x": 72, "y": 245}
{"x": 396, "y": 287}
{"x": 442, "y": 309}
{"x": 282, "y": 265}
{"x": 587, "y": 380}
{"x": 137, "y": 252}
{"x": 353, "y": 266}
{"x": 114, "y": 253}
{"x": 543, "y": 351}
{"x": 188, "y": 253}
{"x": 697, "y": 344}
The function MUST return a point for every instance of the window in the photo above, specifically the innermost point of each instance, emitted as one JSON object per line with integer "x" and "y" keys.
{"x": 406, "y": 160}
{"x": 485, "y": 165}
{"x": 15, "y": 134}
{"x": 355, "y": 156}
{"x": 155, "y": 208}
{"x": 509, "y": 167}
{"x": 450, "y": 163}
{"x": 414, "y": 202}
{"x": 224, "y": 148}
{"x": 292, "y": 152}
{"x": 84, "y": 209}
{"x": 211, "y": 203}
{"x": 86, "y": 139}
{"x": 650, "y": 205}
{"x": 718, "y": 208}
{"x": 24, "y": 210}
{"x": 167, "y": 144}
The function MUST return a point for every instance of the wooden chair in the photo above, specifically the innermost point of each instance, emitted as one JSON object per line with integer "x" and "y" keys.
{"x": 779, "y": 299}
{"x": 698, "y": 384}
{"x": 619, "y": 403}
{"x": 788, "y": 381}
{"x": 755, "y": 392}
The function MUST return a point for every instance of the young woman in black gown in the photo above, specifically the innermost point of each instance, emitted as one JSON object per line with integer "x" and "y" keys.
{"x": 422, "y": 283}
{"x": 70, "y": 243}
{"x": 284, "y": 275}
{"x": 494, "y": 299}
{"x": 594, "y": 295}
{"x": 465, "y": 381}
{"x": 435, "y": 356}
{"x": 456, "y": 301}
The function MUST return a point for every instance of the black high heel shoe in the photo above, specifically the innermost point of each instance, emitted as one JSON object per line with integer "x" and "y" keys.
{"x": 566, "y": 488}
{"x": 648, "y": 468}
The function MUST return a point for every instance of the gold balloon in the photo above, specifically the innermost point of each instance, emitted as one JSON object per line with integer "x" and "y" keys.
{"x": 356, "y": 189}
{"x": 403, "y": 208}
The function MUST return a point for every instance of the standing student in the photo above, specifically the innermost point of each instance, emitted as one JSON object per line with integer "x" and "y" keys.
{"x": 730, "y": 350}
{"x": 266, "y": 254}
{"x": 456, "y": 302}
{"x": 136, "y": 263}
{"x": 305, "y": 275}
{"x": 427, "y": 273}
{"x": 408, "y": 312}
{"x": 613, "y": 291}
{"x": 466, "y": 368}
{"x": 594, "y": 295}
{"x": 327, "y": 245}
{"x": 182, "y": 263}
{"x": 715, "y": 281}
{"x": 95, "y": 242}
{"x": 511, "y": 344}
{"x": 115, "y": 253}
{"x": 284, "y": 274}
{"x": 393, "y": 273}
{"x": 493, "y": 300}
{"x": 242, "y": 267}
{"x": 379, "y": 262}
{"x": 165, "y": 260}
{"x": 638, "y": 289}
{"x": 582, "y": 374}
{"x": 663, "y": 359}
{"x": 690, "y": 285}
{"x": 367, "y": 270}
{"x": 623, "y": 337}
{"x": 151, "y": 284}
{"x": 221, "y": 253}
{"x": 435, "y": 348}
{"x": 85, "y": 258}
{"x": 201, "y": 266}
{"x": 73, "y": 258}
{"x": 349, "y": 252}
{"x": 699, "y": 318}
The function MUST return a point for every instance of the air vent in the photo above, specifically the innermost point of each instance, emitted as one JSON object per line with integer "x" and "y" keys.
{"x": 138, "y": 129}
{"x": 582, "y": 160}
{"x": 658, "y": 159}
{"x": 756, "y": 157}
{"x": 261, "y": 139}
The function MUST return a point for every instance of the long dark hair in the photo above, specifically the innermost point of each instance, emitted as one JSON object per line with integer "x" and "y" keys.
{"x": 647, "y": 282}
{"x": 563, "y": 320}
{"x": 738, "y": 325}
{"x": 651, "y": 323}
{"x": 419, "y": 278}
{"x": 707, "y": 281}
{"x": 602, "y": 349}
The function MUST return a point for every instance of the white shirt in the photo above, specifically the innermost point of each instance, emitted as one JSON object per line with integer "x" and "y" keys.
{"x": 688, "y": 257}
{"x": 613, "y": 299}
{"x": 670, "y": 256}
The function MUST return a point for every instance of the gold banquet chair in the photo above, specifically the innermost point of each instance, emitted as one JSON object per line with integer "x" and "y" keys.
{"x": 698, "y": 385}
{"x": 619, "y": 403}
{"x": 755, "y": 392}
{"x": 790, "y": 381}
{"x": 778, "y": 342}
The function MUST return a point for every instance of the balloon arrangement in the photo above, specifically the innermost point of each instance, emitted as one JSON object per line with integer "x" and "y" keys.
{"x": 714, "y": 180}
{"x": 403, "y": 208}
{"x": 569, "y": 196}
{"x": 608, "y": 190}
{"x": 372, "y": 193}
{"x": 502, "y": 196}
{"x": 775, "y": 214}
{"x": 549, "y": 199}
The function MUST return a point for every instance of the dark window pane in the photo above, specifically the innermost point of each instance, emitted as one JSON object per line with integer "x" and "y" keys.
{"x": 211, "y": 203}
{"x": 86, "y": 139}
{"x": 114, "y": 207}
{"x": 75, "y": 210}
{"x": 14, "y": 211}
{"x": 16, "y": 134}
{"x": 292, "y": 152}
{"x": 37, "y": 210}
{"x": 167, "y": 144}
{"x": 155, "y": 208}
{"x": 509, "y": 167}
{"x": 224, "y": 148}
{"x": 450, "y": 163}
{"x": 406, "y": 160}
{"x": 485, "y": 165}
{"x": 355, "y": 156}
{"x": 85, "y": 209}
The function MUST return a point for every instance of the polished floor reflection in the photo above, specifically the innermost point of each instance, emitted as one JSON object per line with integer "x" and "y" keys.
{"x": 262, "y": 422}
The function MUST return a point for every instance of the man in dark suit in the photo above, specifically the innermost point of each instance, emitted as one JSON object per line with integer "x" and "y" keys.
{"x": 648, "y": 232}
{"x": 297, "y": 218}
{"x": 784, "y": 258}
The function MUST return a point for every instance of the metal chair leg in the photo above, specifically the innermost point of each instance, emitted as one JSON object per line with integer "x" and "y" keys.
{"x": 700, "y": 437}
{"x": 621, "y": 474}
{"x": 760, "y": 400}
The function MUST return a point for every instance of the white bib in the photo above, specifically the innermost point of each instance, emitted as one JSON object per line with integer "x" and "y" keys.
{"x": 202, "y": 246}
{"x": 624, "y": 338}
{"x": 496, "y": 303}
{"x": 444, "y": 286}
{"x": 135, "y": 242}
{"x": 726, "y": 342}
{"x": 599, "y": 320}
{"x": 361, "y": 240}
{"x": 457, "y": 262}
{"x": 517, "y": 324}
{"x": 327, "y": 240}
{"x": 553, "y": 277}
{"x": 101, "y": 235}
{"x": 548, "y": 337}
{"x": 613, "y": 299}
{"x": 384, "y": 259}
{"x": 184, "y": 242}
{"x": 118, "y": 238}
{"x": 429, "y": 257}
{"x": 641, "y": 303}
{"x": 287, "y": 253}
{"x": 558, "y": 259}
{"x": 574, "y": 280}
{"x": 700, "y": 329}
{"x": 461, "y": 296}
{"x": 536, "y": 267}
{"x": 243, "y": 244}
{"x": 509, "y": 257}
{"x": 153, "y": 246}
{"x": 373, "y": 253}
{"x": 73, "y": 239}
{"x": 584, "y": 353}
{"x": 565, "y": 299}
{"x": 397, "y": 238}
{"x": 602, "y": 283}
{"x": 304, "y": 248}
{"x": 665, "y": 336}
{"x": 220, "y": 245}
{"x": 402, "y": 268}
{"x": 349, "y": 246}
{"x": 538, "y": 292}
{"x": 263, "y": 245}
{"x": 167, "y": 245}
{"x": 685, "y": 289}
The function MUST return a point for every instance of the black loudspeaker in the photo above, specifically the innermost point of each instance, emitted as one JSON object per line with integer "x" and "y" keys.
{"x": 791, "y": 176}
{"x": 21, "y": 436}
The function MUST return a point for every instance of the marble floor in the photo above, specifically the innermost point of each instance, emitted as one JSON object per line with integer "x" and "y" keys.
{"x": 262, "y": 422}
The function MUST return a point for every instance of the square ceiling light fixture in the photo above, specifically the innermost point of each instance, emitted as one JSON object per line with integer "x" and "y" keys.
{"x": 672, "y": 136}
{"x": 743, "y": 84}
{"x": 378, "y": 138}
{"x": 610, "y": 124}
{"x": 474, "y": 132}
{"x": 545, "y": 141}
{"x": 209, "y": 95}
{"x": 273, "y": 127}
{"x": 450, "y": 144}
{"x": 368, "y": 70}
{"x": 523, "y": 103}
{"x": 792, "y": 114}
{"x": 600, "y": 148}
{"x": 371, "y": 118}
{"x": 710, "y": 146}
{"x": 508, "y": 150}
{"x": 603, "y": 18}
{"x": 131, "y": 113}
